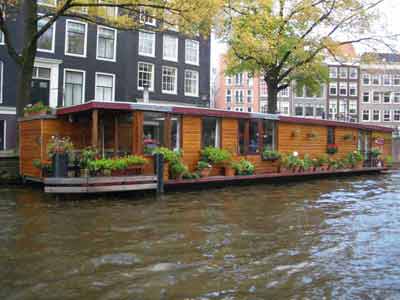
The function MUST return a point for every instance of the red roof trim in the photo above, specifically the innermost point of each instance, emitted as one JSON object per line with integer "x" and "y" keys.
{"x": 210, "y": 112}
{"x": 333, "y": 123}
{"x": 93, "y": 105}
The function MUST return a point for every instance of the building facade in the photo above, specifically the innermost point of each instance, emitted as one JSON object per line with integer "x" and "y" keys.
{"x": 78, "y": 62}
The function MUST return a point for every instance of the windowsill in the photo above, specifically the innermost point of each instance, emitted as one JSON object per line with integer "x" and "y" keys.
{"x": 106, "y": 59}
{"x": 43, "y": 50}
{"x": 170, "y": 59}
{"x": 75, "y": 55}
{"x": 147, "y": 55}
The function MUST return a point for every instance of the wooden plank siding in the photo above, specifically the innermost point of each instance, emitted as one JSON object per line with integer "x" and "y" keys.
{"x": 191, "y": 141}
{"x": 345, "y": 146}
{"x": 30, "y": 136}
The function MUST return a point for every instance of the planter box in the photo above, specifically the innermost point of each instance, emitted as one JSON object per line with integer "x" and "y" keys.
{"x": 229, "y": 171}
{"x": 205, "y": 172}
{"x": 60, "y": 165}
{"x": 134, "y": 170}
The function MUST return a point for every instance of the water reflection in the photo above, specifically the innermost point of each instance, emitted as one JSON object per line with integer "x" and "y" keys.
{"x": 332, "y": 239}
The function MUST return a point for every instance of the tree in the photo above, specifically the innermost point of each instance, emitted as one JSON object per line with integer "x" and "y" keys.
{"x": 192, "y": 17}
{"x": 286, "y": 40}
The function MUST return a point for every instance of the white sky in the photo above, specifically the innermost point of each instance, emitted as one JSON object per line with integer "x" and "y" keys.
{"x": 389, "y": 23}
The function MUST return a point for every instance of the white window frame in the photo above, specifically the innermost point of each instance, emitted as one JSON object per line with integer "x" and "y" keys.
{"x": 83, "y": 83}
{"x": 115, "y": 44}
{"x": 335, "y": 72}
{"x": 396, "y": 77}
{"x": 390, "y": 98}
{"x": 198, "y": 82}
{"x": 153, "y": 50}
{"x": 373, "y": 114}
{"x": 174, "y": 59}
{"x": 396, "y": 97}
{"x": 346, "y": 71}
{"x": 355, "y": 87}
{"x": 2, "y": 38}
{"x": 385, "y": 77}
{"x": 174, "y": 92}
{"x": 383, "y": 116}
{"x": 115, "y": 14}
{"x": 249, "y": 95}
{"x": 53, "y": 39}
{"x": 353, "y": 104}
{"x": 113, "y": 85}
{"x": 228, "y": 95}
{"x": 151, "y": 87}
{"x": 343, "y": 84}
{"x": 396, "y": 112}
{"x": 143, "y": 18}
{"x": 66, "y": 39}
{"x": 196, "y": 63}
{"x": 366, "y": 76}
{"x": 39, "y": 2}
{"x": 375, "y": 76}
{"x": 369, "y": 97}
{"x": 369, "y": 115}
{"x": 336, "y": 87}
{"x": 379, "y": 97}
{"x": 356, "y": 73}
{"x": 228, "y": 80}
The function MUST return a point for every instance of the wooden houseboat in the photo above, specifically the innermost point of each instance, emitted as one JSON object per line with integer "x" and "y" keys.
{"x": 117, "y": 129}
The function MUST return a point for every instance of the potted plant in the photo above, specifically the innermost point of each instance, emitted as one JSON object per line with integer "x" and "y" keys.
{"x": 133, "y": 164}
{"x": 332, "y": 149}
{"x": 118, "y": 167}
{"x": 307, "y": 163}
{"x": 375, "y": 153}
{"x": 58, "y": 150}
{"x": 355, "y": 159}
{"x": 323, "y": 162}
{"x": 177, "y": 169}
{"x": 36, "y": 109}
{"x": 243, "y": 167}
{"x": 316, "y": 164}
{"x": 204, "y": 168}
{"x": 217, "y": 157}
{"x": 87, "y": 155}
{"x": 389, "y": 161}
{"x": 294, "y": 162}
{"x": 170, "y": 156}
{"x": 270, "y": 155}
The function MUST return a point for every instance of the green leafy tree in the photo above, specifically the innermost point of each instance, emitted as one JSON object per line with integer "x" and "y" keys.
{"x": 286, "y": 40}
{"x": 191, "y": 17}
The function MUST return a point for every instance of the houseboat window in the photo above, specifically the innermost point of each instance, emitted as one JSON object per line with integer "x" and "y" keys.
{"x": 253, "y": 137}
{"x": 269, "y": 135}
{"x": 242, "y": 129}
{"x": 210, "y": 132}
{"x": 175, "y": 132}
{"x": 153, "y": 131}
{"x": 331, "y": 135}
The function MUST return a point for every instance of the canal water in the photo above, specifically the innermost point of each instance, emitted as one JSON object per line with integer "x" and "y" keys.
{"x": 323, "y": 239}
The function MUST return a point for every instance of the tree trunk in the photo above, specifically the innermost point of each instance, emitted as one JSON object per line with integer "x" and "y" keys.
{"x": 24, "y": 80}
{"x": 272, "y": 97}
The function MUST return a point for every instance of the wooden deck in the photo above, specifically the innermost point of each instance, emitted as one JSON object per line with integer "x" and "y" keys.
{"x": 85, "y": 185}
{"x": 271, "y": 177}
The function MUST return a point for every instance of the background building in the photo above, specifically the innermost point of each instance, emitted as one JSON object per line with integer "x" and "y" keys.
{"x": 78, "y": 62}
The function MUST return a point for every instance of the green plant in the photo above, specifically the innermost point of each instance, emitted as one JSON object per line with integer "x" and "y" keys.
{"x": 389, "y": 161}
{"x": 169, "y": 155}
{"x": 323, "y": 159}
{"x": 243, "y": 167}
{"x": 201, "y": 165}
{"x": 36, "y": 108}
{"x": 37, "y": 163}
{"x": 215, "y": 155}
{"x": 177, "y": 169}
{"x": 375, "y": 153}
{"x": 270, "y": 154}
{"x": 87, "y": 155}
{"x": 307, "y": 162}
{"x": 291, "y": 161}
{"x": 59, "y": 145}
{"x": 119, "y": 164}
{"x": 189, "y": 175}
{"x": 134, "y": 160}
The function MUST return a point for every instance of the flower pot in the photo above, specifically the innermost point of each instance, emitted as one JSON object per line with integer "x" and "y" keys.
{"x": 359, "y": 165}
{"x": 60, "y": 164}
{"x": 134, "y": 170}
{"x": 229, "y": 171}
{"x": 84, "y": 172}
{"x": 205, "y": 172}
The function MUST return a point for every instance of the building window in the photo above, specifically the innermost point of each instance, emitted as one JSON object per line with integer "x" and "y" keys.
{"x": 386, "y": 97}
{"x": 76, "y": 38}
{"x": 343, "y": 72}
{"x": 330, "y": 135}
{"x": 375, "y": 79}
{"x": 366, "y": 79}
{"x": 146, "y": 18}
{"x": 309, "y": 111}
{"x": 284, "y": 108}
{"x": 396, "y": 115}
{"x": 352, "y": 106}
{"x": 176, "y": 132}
{"x": 228, "y": 80}
{"x": 396, "y": 98}
{"x": 145, "y": 76}
{"x": 228, "y": 96}
{"x": 239, "y": 79}
{"x": 147, "y": 43}
{"x": 191, "y": 83}
{"x": 376, "y": 115}
{"x": 105, "y": 87}
{"x": 74, "y": 87}
{"x": 343, "y": 89}
{"x": 108, "y": 11}
{"x": 284, "y": 93}
{"x": 298, "y": 110}
{"x": 210, "y": 132}
{"x": 365, "y": 115}
{"x": 353, "y": 73}
{"x": 169, "y": 80}
{"x": 333, "y": 89}
{"x": 192, "y": 52}
{"x": 46, "y": 42}
{"x": 242, "y": 130}
{"x": 319, "y": 111}
{"x": 253, "y": 137}
{"x": 238, "y": 96}
{"x": 396, "y": 80}
{"x": 387, "y": 79}
{"x": 376, "y": 98}
{"x": 386, "y": 116}
{"x": 343, "y": 106}
{"x": 333, "y": 107}
{"x": 106, "y": 43}
{"x": 249, "y": 96}
{"x": 170, "y": 48}
{"x": 153, "y": 131}
{"x": 250, "y": 80}
{"x": 366, "y": 97}
{"x": 249, "y": 109}
{"x": 263, "y": 89}
{"x": 269, "y": 137}
{"x": 332, "y": 72}
{"x": 353, "y": 89}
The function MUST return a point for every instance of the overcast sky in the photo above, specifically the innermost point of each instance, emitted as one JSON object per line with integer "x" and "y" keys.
{"x": 389, "y": 23}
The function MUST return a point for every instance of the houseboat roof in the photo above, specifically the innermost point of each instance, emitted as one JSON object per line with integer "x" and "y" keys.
{"x": 211, "y": 112}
